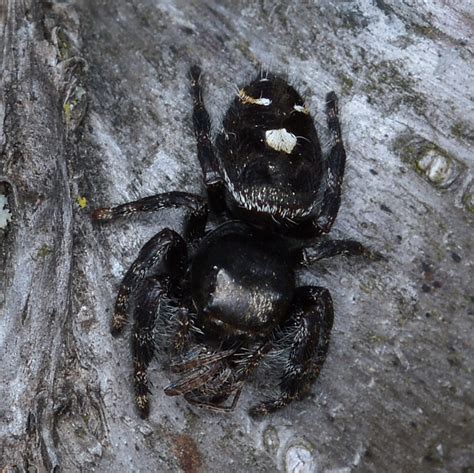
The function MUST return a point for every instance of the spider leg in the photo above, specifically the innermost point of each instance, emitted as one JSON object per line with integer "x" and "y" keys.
{"x": 330, "y": 248}
{"x": 166, "y": 251}
{"x": 169, "y": 200}
{"x": 250, "y": 363}
{"x": 247, "y": 366}
{"x": 202, "y": 130}
{"x": 335, "y": 169}
{"x": 198, "y": 371}
{"x": 206, "y": 155}
{"x": 151, "y": 277}
{"x": 234, "y": 384}
{"x": 312, "y": 319}
{"x": 193, "y": 380}
{"x": 200, "y": 360}
{"x": 181, "y": 337}
{"x": 215, "y": 405}
{"x": 143, "y": 344}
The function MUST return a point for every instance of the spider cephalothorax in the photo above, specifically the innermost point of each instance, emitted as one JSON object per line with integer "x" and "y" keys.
{"x": 233, "y": 287}
{"x": 269, "y": 152}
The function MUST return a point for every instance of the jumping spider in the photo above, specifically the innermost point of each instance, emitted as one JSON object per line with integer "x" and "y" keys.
{"x": 233, "y": 287}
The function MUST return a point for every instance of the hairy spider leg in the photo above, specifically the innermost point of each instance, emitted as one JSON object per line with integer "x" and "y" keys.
{"x": 149, "y": 296}
{"x": 198, "y": 371}
{"x": 181, "y": 337}
{"x": 168, "y": 200}
{"x": 215, "y": 406}
{"x": 159, "y": 266}
{"x": 335, "y": 168}
{"x": 246, "y": 366}
{"x": 312, "y": 317}
{"x": 193, "y": 379}
{"x": 194, "y": 228}
{"x": 330, "y": 248}
{"x": 200, "y": 360}
{"x": 165, "y": 250}
{"x": 202, "y": 130}
{"x": 207, "y": 157}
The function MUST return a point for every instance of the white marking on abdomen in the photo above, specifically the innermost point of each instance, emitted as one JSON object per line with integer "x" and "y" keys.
{"x": 280, "y": 140}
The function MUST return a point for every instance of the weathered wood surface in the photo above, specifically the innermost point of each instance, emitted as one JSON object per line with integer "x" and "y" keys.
{"x": 95, "y": 105}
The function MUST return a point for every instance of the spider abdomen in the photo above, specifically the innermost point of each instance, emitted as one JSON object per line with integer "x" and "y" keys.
{"x": 240, "y": 286}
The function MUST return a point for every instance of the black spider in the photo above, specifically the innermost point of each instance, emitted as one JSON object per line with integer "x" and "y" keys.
{"x": 270, "y": 186}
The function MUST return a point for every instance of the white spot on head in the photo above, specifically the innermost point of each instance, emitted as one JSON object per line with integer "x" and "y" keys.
{"x": 280, "y": 140}
{"x": 250, "y": 100}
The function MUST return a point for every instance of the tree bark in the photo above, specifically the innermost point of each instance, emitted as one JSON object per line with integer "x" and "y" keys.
{"x": 96, "y": 111}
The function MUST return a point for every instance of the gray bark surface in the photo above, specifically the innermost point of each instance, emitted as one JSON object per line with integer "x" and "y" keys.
{"x": 95, "y": 109}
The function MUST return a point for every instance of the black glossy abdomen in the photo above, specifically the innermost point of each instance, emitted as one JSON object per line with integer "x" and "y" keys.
{"x": 241, "y": 285}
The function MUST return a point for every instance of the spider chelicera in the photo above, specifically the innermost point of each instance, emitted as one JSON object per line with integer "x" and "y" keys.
{"x": 233, "y": 288}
